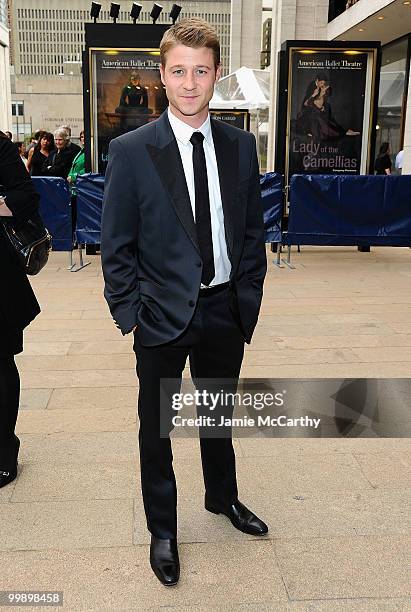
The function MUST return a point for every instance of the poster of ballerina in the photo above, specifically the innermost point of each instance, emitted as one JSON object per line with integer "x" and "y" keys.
{"x": 330, "y": 110}
{"x": 126, "y": 93}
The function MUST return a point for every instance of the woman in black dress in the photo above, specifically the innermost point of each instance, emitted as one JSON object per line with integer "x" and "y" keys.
{"x": 39, "y": 154}
{"x": 383, "y": 164}
{"x": 18, "y": 305}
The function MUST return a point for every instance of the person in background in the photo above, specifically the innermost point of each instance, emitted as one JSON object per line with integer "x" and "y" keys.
{"x": 399, "y": 161}
{"x": 60, "y": 160}
{"x": 22, "y": 149}
{"x": 34, "y": 140}
{"x": 72, "y": 145}
{"x": 40, "y": 153}
{"x": 9, "y": 135}
{"x": 383, "y": 163}
{"x": 18, "y": 304}
{"x": 78, "y": 167}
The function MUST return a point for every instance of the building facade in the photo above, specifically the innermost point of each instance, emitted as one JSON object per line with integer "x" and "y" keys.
{"x": 47, "y": 34}
{"x": 292, "y": 20}
{"x": 245, "y": 36}
{"x": 266, "y": 43}
{"x": 47, "y": 40}
{"x": 5, "y": 97}
{"x": 388, "y": 21}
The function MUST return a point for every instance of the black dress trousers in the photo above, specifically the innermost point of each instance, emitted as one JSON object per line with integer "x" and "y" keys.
{"x": 215, "y": 346}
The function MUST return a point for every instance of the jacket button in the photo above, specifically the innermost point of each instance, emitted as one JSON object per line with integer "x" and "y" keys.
{"x": 191, "y": 303}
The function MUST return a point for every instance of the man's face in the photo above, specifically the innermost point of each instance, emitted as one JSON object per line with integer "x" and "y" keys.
{"x": 60, "y": 143}
{"x": 189, "y": 77}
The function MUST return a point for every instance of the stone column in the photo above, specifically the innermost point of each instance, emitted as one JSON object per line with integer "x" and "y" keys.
{"x": 406, "y": 169}
{"x": 292, "y": 20}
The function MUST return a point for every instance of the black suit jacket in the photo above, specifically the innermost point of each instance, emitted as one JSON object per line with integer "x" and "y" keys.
{"x": 59, "y": 163}
{"x": 18, "y": 305}
{"x": 150, "y": 255}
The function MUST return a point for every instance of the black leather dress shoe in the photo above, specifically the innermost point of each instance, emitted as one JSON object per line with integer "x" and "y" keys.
{"x": 9, "y": 474}
{"x": 164, "y": 560}
{"x": 241, "y": 517}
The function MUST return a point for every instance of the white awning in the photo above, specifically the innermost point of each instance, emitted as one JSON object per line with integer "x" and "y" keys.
{"x": 243, "y": 89}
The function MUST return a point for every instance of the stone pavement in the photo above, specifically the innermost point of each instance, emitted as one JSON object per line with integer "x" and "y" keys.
{"x": 338, "y": 510}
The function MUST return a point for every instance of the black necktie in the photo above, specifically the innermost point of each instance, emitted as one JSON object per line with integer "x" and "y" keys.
{"x": 202, "y": 208}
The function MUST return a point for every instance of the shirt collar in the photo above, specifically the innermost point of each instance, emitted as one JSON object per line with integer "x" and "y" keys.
{"x": 183, "y": 131}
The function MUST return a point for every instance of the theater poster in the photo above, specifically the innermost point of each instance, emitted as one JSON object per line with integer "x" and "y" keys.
{"x": 330, "y": 110}
{"x": 125, "y": 93}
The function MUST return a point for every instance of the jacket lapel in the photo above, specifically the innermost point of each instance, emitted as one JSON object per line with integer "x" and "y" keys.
{"x": 226, "y": 151}
{"x": 167, "y": 160}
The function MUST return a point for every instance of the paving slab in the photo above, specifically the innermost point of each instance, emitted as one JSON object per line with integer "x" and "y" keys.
{"x": 78, "y": 420}
{"x": 34, "y": 399}
{"x": 93, "y": 398}
{"x": 120, "y": 578}
{"x": 66, "y": 524}
{"x": 352, "y": 567}
{"x": 40, "y": 482}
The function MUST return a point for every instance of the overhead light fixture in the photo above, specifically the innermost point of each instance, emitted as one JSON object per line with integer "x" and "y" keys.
{"x": 175, "y": 12}
{"x": 407, "y": 2}
{"x": 135, "y": 11}
{"x": 381, "y": 17}
{"x": 114, "y": 11}
{"x": 95, "y": 10}
{"x": 155, "y": 12}
{"x": 361, "y": 29}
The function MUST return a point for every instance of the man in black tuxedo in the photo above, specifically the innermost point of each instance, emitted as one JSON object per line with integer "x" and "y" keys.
{"x": 184, "y": 263}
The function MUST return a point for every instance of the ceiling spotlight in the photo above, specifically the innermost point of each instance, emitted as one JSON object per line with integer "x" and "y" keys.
{"x": 95, "y": 10}
{"x": 155, "y": 11}
{"x": 361, "y": 29}
{"x": 407, "y": 2}
{"x": 135, "y": 11}
{"x": 174, "y": 13}
{"x": 381, "y": 17}
{"x": 114, "y": 11}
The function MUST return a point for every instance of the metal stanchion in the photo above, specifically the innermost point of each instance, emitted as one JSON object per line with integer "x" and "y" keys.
{"x": 82, "y": 264}
{"x": 276, "y": 248}
{"x": 71, "y": 262}
{"x": 287, "y": 261}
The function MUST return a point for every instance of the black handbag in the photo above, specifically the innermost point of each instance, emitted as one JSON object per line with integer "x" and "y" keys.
{"x": 30, "y": 241}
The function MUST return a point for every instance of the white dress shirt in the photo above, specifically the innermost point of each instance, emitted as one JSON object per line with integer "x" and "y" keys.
{"x": 399, "y": 160}
{"x": 183, "y": 133}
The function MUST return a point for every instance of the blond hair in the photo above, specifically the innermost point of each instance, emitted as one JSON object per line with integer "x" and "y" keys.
{"x": 191, "y": 32}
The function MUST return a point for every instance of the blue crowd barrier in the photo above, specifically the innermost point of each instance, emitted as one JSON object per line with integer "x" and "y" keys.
{"x": 55, "y": 210}
{"x": 90, "y": 191}
{"x": 272, "y": 193}
{"x": 349, "y": 210}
